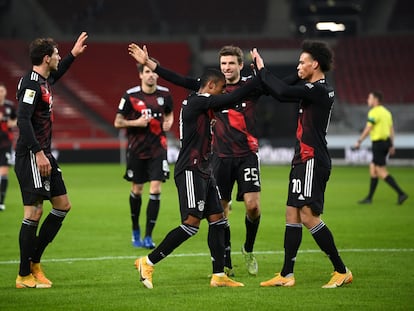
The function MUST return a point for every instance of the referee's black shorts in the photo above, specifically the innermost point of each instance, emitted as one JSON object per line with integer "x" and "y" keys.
{"x": 198, "y": 195}
{"x": 35, "y": 188}
{"x": 380, "y": 149}
{"x": 307, "y": 184}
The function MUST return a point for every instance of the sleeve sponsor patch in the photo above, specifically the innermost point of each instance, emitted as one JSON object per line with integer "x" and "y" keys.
{"x": 29, "y": 96}
{"x": 121, "y": 104}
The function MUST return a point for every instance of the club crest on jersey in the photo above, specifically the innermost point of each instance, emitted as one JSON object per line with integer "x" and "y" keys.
{"x": 160, "y": 101}
{"x": 309, "y": 85}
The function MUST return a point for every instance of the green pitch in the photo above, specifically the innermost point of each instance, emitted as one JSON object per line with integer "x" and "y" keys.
{"x": 91, "y": 260}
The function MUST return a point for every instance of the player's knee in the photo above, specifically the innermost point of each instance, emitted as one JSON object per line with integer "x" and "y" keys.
{"x": 65, "y": 206}
{"x": 137, "y": 189}
{"x": 252, "y": 208}
{"x": 192, "y": 221}
{"x": 308, "y": 218}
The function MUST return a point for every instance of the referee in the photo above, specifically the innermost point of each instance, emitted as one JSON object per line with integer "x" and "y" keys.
{"x": 380, "y": 128}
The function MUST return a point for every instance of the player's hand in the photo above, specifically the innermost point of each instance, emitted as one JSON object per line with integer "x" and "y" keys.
{"x": 257, "y": 59}
{"x": 80, "y": 45}
{"x": 356, "y": 146}
{"x": 142, "y": 121}
{"x": 140, "y": 55}
{"x": 43, "y": 164}
{"x": 391, "y": 151}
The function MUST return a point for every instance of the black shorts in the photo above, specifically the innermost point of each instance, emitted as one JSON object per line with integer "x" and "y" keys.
{"x": 307, "y": 184}
{"x": 380, "y": 149}
{"x": 140, "y": 171}
{"x": 198, "y": 195}
{"x": 244, "y": 170}
{"x": 35, "y": 188}
{"x": 5, "y": 156}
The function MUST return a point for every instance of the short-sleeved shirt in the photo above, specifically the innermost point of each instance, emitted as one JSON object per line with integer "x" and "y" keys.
{"x": 151, "y": 141}
{"x": 381, "y": 120}
{"x": 8, "y": 112}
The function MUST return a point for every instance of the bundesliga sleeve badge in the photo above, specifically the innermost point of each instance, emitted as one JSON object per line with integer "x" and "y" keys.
{"x": 29, "y": 96}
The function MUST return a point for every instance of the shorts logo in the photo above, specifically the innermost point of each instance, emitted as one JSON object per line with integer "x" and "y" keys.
{"x": 200, "y": 205}
{"x": 165, "y": 166}
{"x": 130, "y": 173}
{"x": 160, "y": 101}
{"x": 301, "y": 197}
{"x": 47, "y": 185}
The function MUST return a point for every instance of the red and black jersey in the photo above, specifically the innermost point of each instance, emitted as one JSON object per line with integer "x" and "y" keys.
{"x": 316, "y": 102}
{"x": 34, "y": 114}
{"x": 151, "y": 141}
{"x": 234, "y": 129}
{"x": 7, "y": 112}
{"x": 195, "y": 127}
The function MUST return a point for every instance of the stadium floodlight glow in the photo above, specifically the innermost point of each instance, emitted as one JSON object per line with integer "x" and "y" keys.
{"x": 331, "y": 26}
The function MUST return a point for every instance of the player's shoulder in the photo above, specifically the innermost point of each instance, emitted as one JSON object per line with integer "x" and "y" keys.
{"x": 203, "y": 95}
{"x": 164, "y": 89}
{"x": 246, "y": 78}
{"x": 31, "y": 78}
{"x": 30, "y": 83}
{"x": 133, "y": 90}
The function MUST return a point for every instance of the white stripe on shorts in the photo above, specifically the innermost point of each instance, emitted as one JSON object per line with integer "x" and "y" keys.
{"x": 189, "y": 181}
{"x": 37, "y": 180}
{"x": 309, "y": 178}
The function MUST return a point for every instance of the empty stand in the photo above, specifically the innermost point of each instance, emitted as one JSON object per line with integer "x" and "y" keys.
{"x": 374, "y": 63}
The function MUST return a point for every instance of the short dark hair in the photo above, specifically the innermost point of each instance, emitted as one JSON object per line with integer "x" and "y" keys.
{"x": 39, "y": 48}
{"x": 211, "y": 74}
{"x": 378, "y": 95}
{"x": 232, "y": 51}
{"x": 141, "y": 66}
{"x": 321, "y": 52}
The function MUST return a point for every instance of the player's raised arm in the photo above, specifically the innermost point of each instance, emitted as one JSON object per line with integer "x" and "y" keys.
{"x": 275, "y": 86}
{"x": 142, "y": 57}
{"x": 226, "y": 100}
{"x": 80, "y": 46}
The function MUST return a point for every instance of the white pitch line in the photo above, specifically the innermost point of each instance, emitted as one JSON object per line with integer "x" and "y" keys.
{"x": 307, "y": 251}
